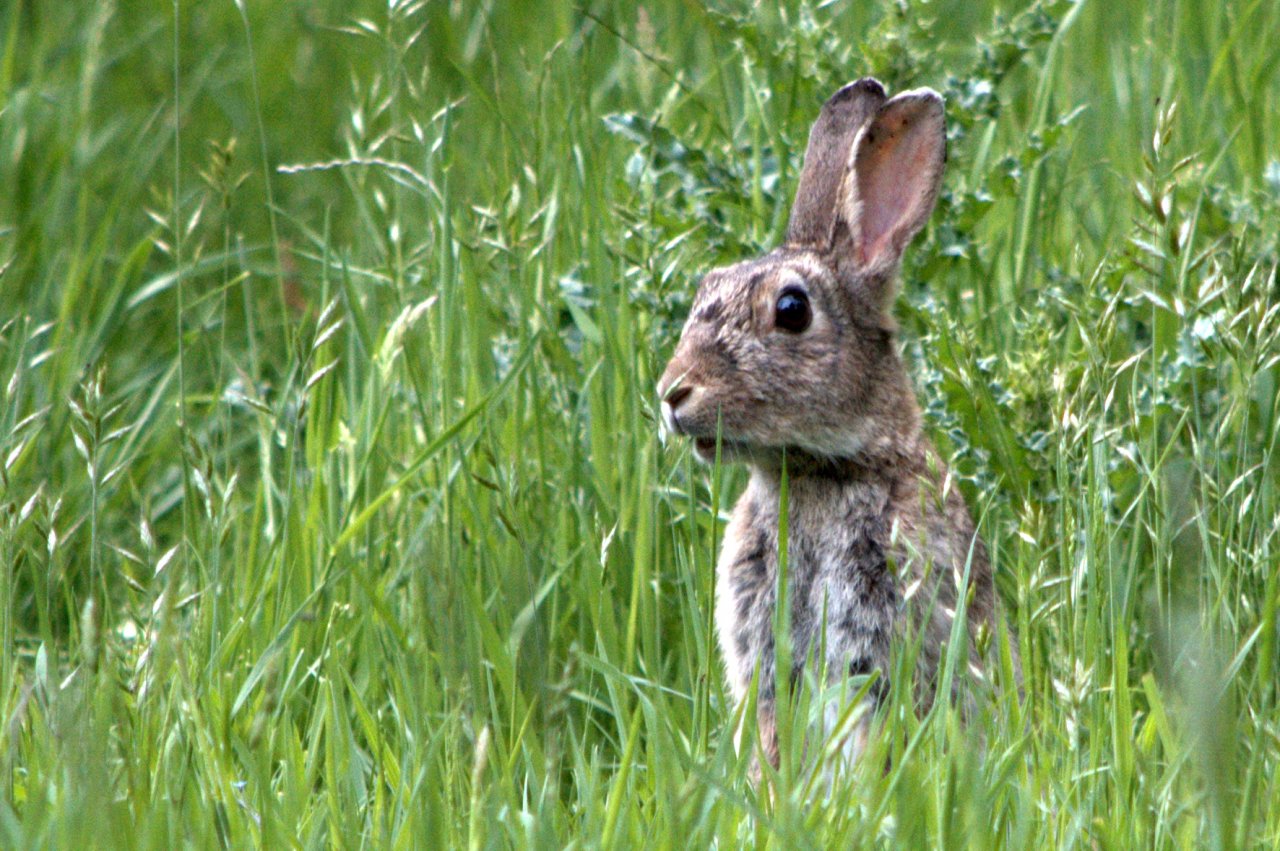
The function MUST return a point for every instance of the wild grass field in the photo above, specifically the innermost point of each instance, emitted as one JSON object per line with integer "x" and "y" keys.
{"x": 332, "y": 507}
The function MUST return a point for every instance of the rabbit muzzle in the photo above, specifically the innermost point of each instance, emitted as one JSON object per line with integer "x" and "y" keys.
{"x": 683, "y": 403}
{"x": 676, "y": 390}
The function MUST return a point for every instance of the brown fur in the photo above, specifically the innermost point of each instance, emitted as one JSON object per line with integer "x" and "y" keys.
{"x": 877, "y": 542}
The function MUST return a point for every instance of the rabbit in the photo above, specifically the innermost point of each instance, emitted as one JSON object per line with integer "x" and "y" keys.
{"x": 790, "y": 360}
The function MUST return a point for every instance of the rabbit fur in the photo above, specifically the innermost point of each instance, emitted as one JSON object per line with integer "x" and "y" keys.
{"x": 792, "y": 359}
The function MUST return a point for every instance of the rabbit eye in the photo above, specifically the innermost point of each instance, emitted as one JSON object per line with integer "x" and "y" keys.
{"x": 792, "y": 312}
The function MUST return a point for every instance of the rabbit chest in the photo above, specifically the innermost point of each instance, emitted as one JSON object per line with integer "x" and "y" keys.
{"x": 842, "y": 596}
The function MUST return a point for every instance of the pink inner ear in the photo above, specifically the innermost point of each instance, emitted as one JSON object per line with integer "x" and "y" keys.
{"x": 897, "y": 169}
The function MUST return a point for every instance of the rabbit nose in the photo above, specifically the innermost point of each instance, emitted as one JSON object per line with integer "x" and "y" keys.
{"x": 677, "y": 395}
{"x": 671, "y": 400}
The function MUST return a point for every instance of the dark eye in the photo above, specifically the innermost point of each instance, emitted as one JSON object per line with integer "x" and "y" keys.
{"x": 792, "y": 312}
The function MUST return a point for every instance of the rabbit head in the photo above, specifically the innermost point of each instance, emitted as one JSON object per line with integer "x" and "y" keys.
{"x": 795, "y": 350}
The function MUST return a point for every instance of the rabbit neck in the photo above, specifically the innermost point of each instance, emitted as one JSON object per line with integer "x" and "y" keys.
{"x": 833, "y": 491}
{"x": 859, "y": 490}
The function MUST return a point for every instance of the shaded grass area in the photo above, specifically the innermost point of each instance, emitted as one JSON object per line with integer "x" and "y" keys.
{"x": 331, "y": 507}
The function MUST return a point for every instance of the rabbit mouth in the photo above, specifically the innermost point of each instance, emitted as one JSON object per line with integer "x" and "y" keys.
{"x": 705, "y": 448}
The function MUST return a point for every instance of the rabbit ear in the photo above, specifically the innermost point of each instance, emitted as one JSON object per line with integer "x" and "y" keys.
{"x": 826, "y": 160}
{"x": 893, "y": 182}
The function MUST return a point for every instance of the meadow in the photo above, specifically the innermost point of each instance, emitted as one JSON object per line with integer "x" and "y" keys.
{"x": 333, "y": 511}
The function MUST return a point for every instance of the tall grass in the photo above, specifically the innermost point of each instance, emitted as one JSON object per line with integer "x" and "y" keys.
{"x": 332, "y": 511}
